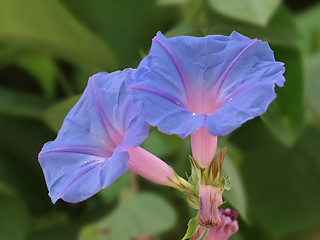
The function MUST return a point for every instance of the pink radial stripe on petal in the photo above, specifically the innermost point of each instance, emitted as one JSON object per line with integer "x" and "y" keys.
{"x": 80, "y": 150}
{"x": 81, "y": 174}
{"x": 208, "y": 101}
{"x": 162, "y": 94}
{"x": 203, "y": 146}
{"x": 90, "y": 151}
{"x": 218, "y": 84}
{"x": 197, "y": 101}
{"x": 150, "y": 167}
{"x": 222, "y": 77}
{"x": 184, "y": 76}
{"x": 114, "y": 135}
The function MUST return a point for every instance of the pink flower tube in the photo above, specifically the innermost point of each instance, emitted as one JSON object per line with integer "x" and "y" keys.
{"x": 150, "y": 167}
{"x": 203, "y": 146}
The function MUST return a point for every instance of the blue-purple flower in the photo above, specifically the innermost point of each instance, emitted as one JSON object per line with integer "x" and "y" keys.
{"x": 91, "y": 149}
{"x": 205, "y": 86}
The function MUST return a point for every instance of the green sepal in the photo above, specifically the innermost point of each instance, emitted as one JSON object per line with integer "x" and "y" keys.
{"x": 228, "y": 183}
{"x": 192, "y": 200}
{"x": 182, "y": 185}
{"x": 194, "y": 179}
{"x": 224, "y": 183}
{"x": 215, "y": 168}
{"x": 193, "y": 226}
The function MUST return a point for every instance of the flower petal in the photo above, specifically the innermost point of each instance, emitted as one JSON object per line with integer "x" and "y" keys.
{"x": 81, "y": 182}
{"x": 89, "y": 152}
{"x": 249, "y": 102}
{"x": 166, "y": 115}
{"x": 183, "y": 76}
{"x": 136, "y": 131}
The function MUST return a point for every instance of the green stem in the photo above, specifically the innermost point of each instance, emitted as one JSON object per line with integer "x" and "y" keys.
{"x": 205, "y": 233}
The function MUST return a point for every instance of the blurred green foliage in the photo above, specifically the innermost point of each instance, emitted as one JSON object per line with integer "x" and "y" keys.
{"x": 48, "y": 50}
{"x": 144, "y": 214}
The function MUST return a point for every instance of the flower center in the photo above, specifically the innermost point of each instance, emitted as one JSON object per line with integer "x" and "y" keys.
{"x": 204, "y": 102}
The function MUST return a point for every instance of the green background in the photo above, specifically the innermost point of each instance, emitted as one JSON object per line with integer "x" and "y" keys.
{"x": 49, "y": 49}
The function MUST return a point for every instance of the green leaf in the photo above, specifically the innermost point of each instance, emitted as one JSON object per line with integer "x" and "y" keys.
{"x": 145, "y": 214}
{"x": 42, "y": 69}
{"x": 9, "y": 54}
{"x": 232, "y": 163}
{"x": 172, "y": 2}
{"x": 279, "y": 124}
{"x": 186, "y": 28}
{"x": 193, "y": 226}
{"x": 312, "y": 85}
{"x": 92, "y": 233}
{"x": 309, "y": 26}
{"x": 127, "y": 26}
{"x": 14, "y": 218}
{"x": 161, "y": 144}
{"x": 46, "y": 26}
{"x": 21, "y": 104}
{"x": 112, "y": 192}
{"x": 62, "y": 233}
{"x": 285, "y": 116}
{"x": 55, "y": 115}
{"x": 252, "y": 11}
{"x": 236, "y": 196}
{"x": 281, "y": 28}
{"x": 238, "y": 236}
{"x": 281, "y": 182}
{"x": 20, "y": 142}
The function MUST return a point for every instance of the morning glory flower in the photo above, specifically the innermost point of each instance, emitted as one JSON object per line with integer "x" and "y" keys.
{"x": 205, "y": 86}
{"x": 99, "y": 139}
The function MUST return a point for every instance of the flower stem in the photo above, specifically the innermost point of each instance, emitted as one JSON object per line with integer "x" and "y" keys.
{"x": 204, "y": 234}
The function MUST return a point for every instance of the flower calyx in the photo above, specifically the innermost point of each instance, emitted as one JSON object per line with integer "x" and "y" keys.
{"x": 211, "y": 176}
